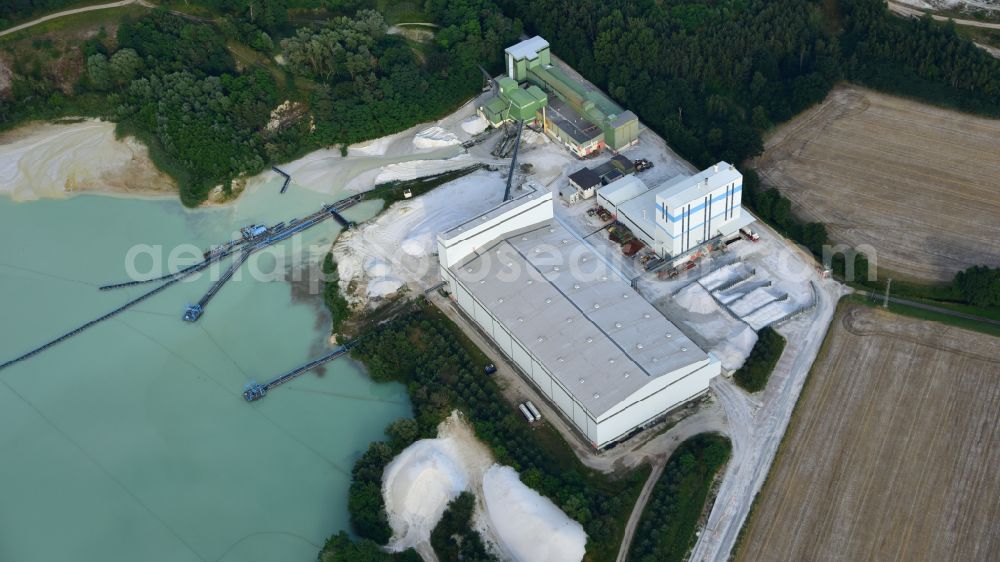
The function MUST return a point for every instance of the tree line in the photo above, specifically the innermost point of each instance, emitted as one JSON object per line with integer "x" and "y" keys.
{"x": 666, "y": 531}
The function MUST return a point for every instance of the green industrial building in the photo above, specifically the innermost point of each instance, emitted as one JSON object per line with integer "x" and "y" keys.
{"x": 513, "y": 103}
{"x": 584, "y": 119}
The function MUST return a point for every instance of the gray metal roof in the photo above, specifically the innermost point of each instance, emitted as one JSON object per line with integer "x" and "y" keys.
{"x": 678, "y": 193}
{"x": 527, "y": 49}
{"x": 576, "y": 315}
{"x": 571, "y": 122}
{"x": 620, "y": 191}
{"x": 521, "y": 194}
{"x": 623, "y": 118}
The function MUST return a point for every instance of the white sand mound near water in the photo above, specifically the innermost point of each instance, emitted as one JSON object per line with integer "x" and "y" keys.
{"x": 695, "y": 298}
{"x": 529, "y": 526}
{"x": 377, "y": 267}
{"x": 434, "y": 137}
{"x": 417, "y": 485}
{"x": 384, "y": 286}
{"x": 474, "y": 125}
{"x": 396, "y": 247}
{"x": 54, "y": 160}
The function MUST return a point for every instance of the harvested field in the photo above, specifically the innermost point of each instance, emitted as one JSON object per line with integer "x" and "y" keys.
{"x": 892, "y": 451}
{"x": 919, "y": 184}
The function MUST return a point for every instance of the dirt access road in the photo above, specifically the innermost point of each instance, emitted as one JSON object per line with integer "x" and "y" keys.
{"x": 909, "y": 11}
{"x": 891, "y": 454}
{"x": 64, "y": 13}
{"x": 918, "y": 184}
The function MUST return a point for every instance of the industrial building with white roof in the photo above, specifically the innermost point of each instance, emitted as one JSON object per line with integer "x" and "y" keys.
{"x": 681, "y": 214}
{"x": 605, "y": 357}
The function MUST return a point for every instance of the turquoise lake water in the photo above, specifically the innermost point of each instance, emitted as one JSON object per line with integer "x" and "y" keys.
{"x": 131, "y": 441}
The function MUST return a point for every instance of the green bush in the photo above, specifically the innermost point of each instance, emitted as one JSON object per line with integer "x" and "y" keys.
{"x": 763, "y": 357}
{"x": 454, "y": 538}
{"x": 340, "y": 309}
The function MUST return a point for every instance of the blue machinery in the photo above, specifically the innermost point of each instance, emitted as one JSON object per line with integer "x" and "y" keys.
{"x": 256, "y": 391}
{"x": 256, "y": 240}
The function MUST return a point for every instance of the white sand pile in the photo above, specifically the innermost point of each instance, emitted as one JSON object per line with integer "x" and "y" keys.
{"x": 376, "y": 147}
{"x": 55, "y": 160}
{"x": 419, "y": 483}
{"x": 434, "y": 137}
{"x": 696, "y": 299}
{"x": 733, "y": 351}
{"x": 474, "y": 124}
{"x": 383, "y": 286}
{"x": 531, "y": 137}
{"x": 377, "y": 267}
{"x": 397, "y": 247}
{"x": 419, "y": 168}
{"x": 528, "y": 525}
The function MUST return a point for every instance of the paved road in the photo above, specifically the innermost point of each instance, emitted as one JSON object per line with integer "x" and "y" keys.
{"x": 757, "y": 422}
{"x": 904, "y": 10}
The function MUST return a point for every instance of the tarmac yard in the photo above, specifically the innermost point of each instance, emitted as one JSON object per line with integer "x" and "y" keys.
{"x": 919, "y": 184}
{"x": 892, "y": 451}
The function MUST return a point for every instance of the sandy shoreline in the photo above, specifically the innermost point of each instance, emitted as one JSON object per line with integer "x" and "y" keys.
{"x": 56, "y": 160}
{"x": 68, "y": 157}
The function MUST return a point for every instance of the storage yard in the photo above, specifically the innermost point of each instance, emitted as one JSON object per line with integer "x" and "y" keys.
{"x": 919, "y": 184}
{"x": 890, "y": 454}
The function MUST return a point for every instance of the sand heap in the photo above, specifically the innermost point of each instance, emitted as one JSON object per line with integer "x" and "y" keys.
{"x": 418, "y": 484}
{"x": 56, "y": 160}
{"x": 515, "y": 520}
{"x": 380, "y": 256}
{"x": 434, "y": 137}
{"x": 528, "y": 525}
{"x": 734, "y": 349}
{"x": 474, "y": 124}
{"x": 696, "y": 299}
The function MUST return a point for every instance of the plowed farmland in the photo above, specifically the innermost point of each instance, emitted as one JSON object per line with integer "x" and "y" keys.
{"x": 891, "y": 454}
{"x": 919, "y": 184}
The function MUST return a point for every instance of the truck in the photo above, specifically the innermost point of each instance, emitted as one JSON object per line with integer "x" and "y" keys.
{"x": 526, "y": 413}
{"x": 533, "y": 410}
{"x": 749, "y": 234}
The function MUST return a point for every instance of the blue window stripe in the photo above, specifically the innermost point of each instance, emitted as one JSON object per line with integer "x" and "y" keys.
{"x": 671, "y": 236}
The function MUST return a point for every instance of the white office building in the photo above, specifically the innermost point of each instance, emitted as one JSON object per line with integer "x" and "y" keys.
{"x": 682, "y": 213}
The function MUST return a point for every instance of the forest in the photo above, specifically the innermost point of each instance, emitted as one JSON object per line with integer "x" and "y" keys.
{"x": 182, "y": 83}
{"x": 711, "y": 78}
{"x": 666, "y": 530}
{"x": 442, "y": 370}
{"x": 756, "y": 370}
